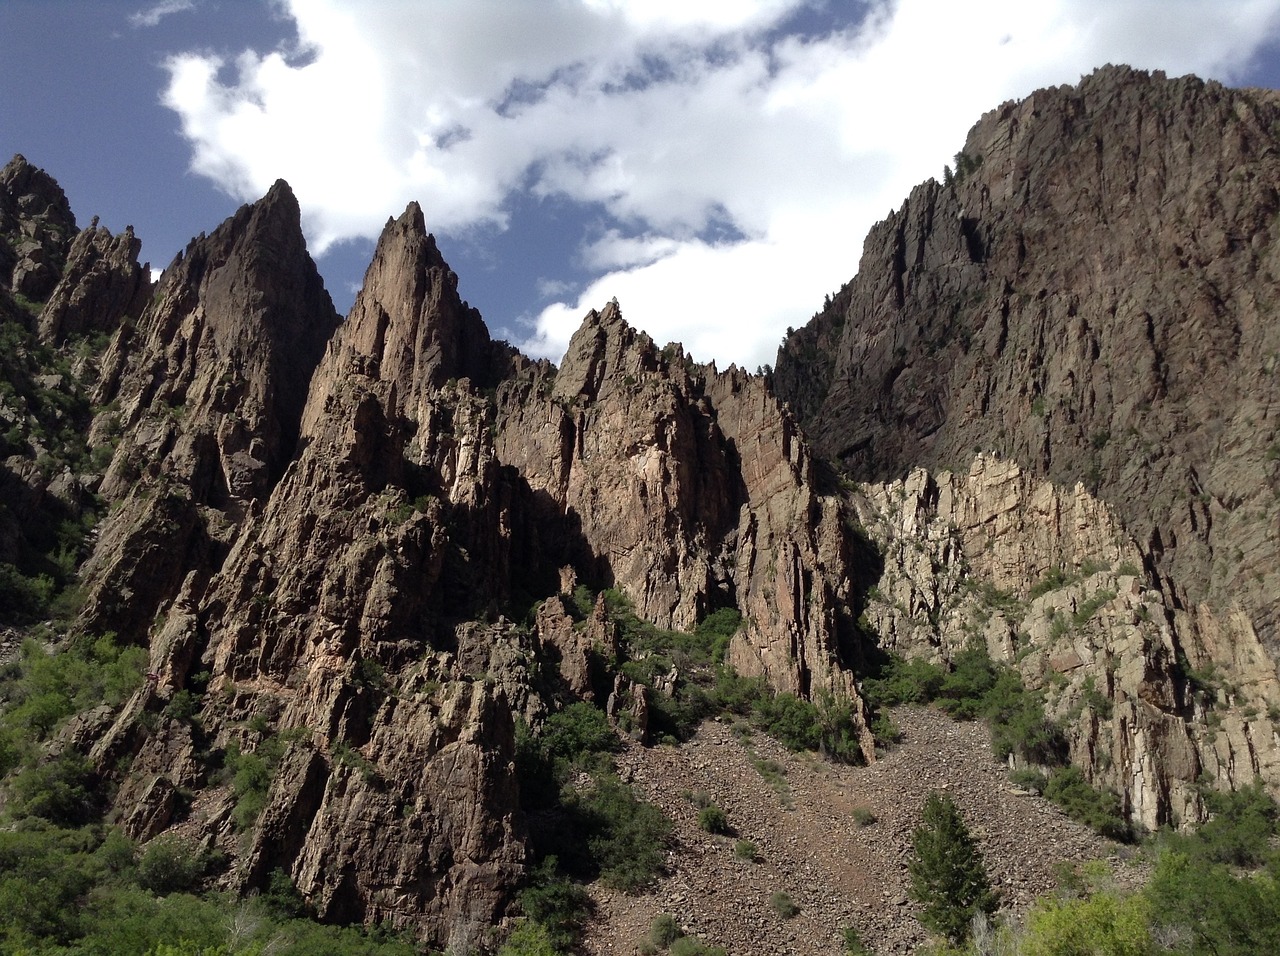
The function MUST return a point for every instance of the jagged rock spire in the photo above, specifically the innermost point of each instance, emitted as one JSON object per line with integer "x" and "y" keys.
{"x": 210, "y": 387}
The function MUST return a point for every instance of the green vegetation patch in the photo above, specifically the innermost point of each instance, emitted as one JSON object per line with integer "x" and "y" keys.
{"x": 975, "y": 687}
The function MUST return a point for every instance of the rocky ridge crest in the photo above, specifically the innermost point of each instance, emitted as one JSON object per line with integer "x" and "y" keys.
{"x": 353, "y": 546}
{"x": 1089, "y": 294}
{"x": 354, "y": 604}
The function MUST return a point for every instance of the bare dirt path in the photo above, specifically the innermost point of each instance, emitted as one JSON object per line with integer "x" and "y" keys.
{"x": 810, "y": 846}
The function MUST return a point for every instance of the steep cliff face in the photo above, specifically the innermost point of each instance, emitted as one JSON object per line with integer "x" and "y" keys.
{"x": 36, "y": 221}
{"x": 1155, "y": 699}
{"x": 690, "y": 490}
{"x": 46, "y": 499}
{"x": 440, "y": 478}
{"x": 101, "y": 286}
{"x": 1089, "y": 295}
{"x": 333, "y": 620}
{"x": 203, "y": 400}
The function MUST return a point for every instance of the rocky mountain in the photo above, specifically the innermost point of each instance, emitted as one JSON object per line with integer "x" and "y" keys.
{"x": 1077, "y": 328}
{"x": 372, "y": 558}
{"x": 317, "y": 529}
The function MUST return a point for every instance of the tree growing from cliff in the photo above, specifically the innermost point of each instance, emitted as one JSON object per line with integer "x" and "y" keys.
{"x": 948, "y": 876}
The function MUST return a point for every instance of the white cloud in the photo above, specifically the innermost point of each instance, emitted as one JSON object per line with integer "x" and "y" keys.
{"x": 553, "y": 288}
{"x": 676, "y": 117}
{"x": 152, "y": 15}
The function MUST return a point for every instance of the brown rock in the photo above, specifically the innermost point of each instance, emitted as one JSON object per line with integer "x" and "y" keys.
{"x": 101, "y": 285}
{"x": 1051, "y": 582}
{"x": 1089, "y": 297}
{"x": 37, "y": 220}
{"x": 210, "y": 388}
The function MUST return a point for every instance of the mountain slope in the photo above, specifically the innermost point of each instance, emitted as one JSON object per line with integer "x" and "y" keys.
{"x": 373, "y": 560}
{"x": 1092, "y": 295}
{"x": 1089, "y": 296}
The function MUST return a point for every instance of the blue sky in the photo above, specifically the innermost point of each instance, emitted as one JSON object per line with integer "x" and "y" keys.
{"x": 714, "y": 165}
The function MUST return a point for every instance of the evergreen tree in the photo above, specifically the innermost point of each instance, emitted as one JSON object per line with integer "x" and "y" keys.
{"x": 948, "y": 877}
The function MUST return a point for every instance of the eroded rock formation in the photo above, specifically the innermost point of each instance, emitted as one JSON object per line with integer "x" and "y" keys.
{"x": 690, "y": 490}
{"x": 1155, "y": 699}
{"x": 202, "y": 401}
{"x": 1091, "y": 295}
{"x": 352, "y": 545}
{"x": 36, "y": 220}
{"x": 102, "y": 284}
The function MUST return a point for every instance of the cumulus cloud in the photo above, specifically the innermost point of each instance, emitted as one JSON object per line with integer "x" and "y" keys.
{"x": 735, "y": 161}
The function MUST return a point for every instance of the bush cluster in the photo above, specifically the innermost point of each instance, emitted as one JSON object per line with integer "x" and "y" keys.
{"x": 70, "y": 884}
{"x": 44, "y": 688}
{"x": 600, "y": 830}
{"x": 707, "y": 687}
{"x": 46, "y": 422}
{"x": 977, "y": 687}
{"x": 713, "y": 820}
{"x": 783, "y": 906}
{"x": 1213, "y": 892}
{"x": 974, "y": 687}
{"x": 666, "y": 935}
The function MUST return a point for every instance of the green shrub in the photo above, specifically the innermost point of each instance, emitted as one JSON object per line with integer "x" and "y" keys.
{"x": 679, "y": 715}
{"x": 885, "y": 731}
{"x": 903, "y": 681}
{"x": 1095, "y": 808}
{"x": 1212, "y": 910}
{"x": 964, "y": 690}
{"x": 70, "y": 891}
{"x": 627, "y": 837}
{"x": 853, "y": 944}
{"x": 281, "y": 896}
{"x": 1052, "y": 580}
{"x": 713, "y": 820}
{"x": 182, "y": 707}
{"x": 826, "y": 726}
{"x": 24, "y": 599}
{"x": 582, "y": 602}
{"x": 171, "y": 865}
{"x": 529, "y": 938}
{"x": 556, "y": 903}
{"x": 783, "y": 906}
{"x": 59, "y": 791}
{"x": 718, "y": 628}
{"x": 1029, "y": 779}
{"x": 1102, "y": 923}
{"x": 692, "y": 946}
{"x": 790, "y": 720}
{"x": 1239, "y": 831}
{"x": 49, "y": 687}
{"x": 251, "y": 777}
{"x": 1095, "y": 700}
{"x": 746, "y": 850}
{"x": 576, "y": 738}
{"x": 1019, "y": 724}
{"x": 44, "y": 873}
{"x": 863, "y": 816}
{"x": 578, "y": 733}
{"x": 1090, "y": 607}
{"x": 974, "y": 687}
{"x": 664, "y": 931}
{"x": 736, "y": 694}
